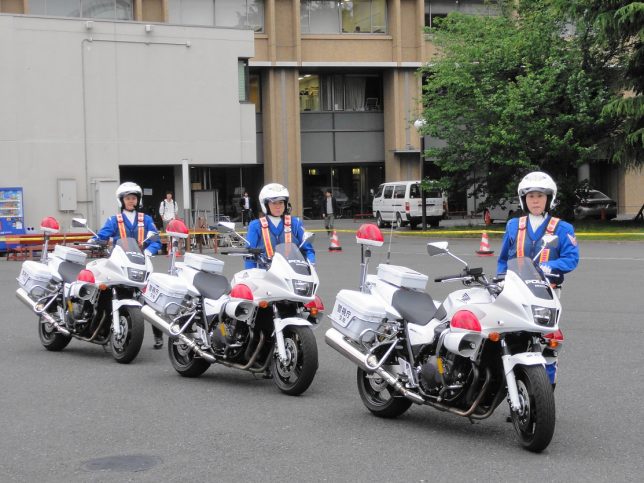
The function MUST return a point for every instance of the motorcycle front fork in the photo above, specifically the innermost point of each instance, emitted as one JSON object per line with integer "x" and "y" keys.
{"x": 279, "y": 337}
{"x": 116, "y": 322}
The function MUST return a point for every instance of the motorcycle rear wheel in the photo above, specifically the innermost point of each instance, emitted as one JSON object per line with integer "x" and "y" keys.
{"x": 184, "y": 359}
{"x": 296, "y": 375}
{"x": 379, "y": 397}
{"x": 51, "y": 339}
{"x": 126, "y": 347}
{"x": 536, "y": 426}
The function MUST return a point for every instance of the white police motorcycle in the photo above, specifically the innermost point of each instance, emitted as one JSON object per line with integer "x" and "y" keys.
{"x": 481, "y": 345}
{"x": 97, "y": 303}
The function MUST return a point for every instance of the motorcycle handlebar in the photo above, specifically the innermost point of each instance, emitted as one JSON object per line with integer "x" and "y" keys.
{"x": 449, "y": 277}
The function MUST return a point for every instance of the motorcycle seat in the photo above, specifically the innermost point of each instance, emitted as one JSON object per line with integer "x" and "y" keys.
{"x": 415, "y": 307}
{"x": 211, "y": 285}
{"x": 68, "y": 271}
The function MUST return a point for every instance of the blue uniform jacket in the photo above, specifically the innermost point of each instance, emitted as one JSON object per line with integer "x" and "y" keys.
{"x": 111, "y": 230}
{"x": 562, "y": 259}
{"x": 255, "y": 239}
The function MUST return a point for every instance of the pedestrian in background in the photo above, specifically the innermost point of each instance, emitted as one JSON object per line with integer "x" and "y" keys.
{"x": 168, "y": 209}
{"x": 246, "y": 210}
{"x": 329, "y": 211}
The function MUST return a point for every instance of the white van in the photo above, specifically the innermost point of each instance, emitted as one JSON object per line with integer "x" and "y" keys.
{"x": 399, "y": 202}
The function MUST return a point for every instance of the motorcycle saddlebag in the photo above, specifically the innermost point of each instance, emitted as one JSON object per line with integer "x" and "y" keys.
{"x": 164, "y": 293}
{"x": 354, "y": 312}
{"x": 34, "y": 278}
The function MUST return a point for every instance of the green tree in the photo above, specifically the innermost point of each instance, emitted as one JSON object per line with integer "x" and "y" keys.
{"x": 509, "y": 94}
{"x": 610, "y": 34}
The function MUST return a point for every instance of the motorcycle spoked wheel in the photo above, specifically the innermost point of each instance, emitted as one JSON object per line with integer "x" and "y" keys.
{"x": 184, "y": 359}
{"x": 51, "y": 339}
{"x": 536, "y": 425}
{"x": 379, "y": 397}
{"x": 296, "y": 375}
{"x": 127, "y": 346}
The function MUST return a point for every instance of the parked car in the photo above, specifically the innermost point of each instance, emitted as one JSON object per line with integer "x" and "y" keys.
{"x": 400, "y": 202}
{"x": 592, "y": 203}
{"x": 505, "y": 209}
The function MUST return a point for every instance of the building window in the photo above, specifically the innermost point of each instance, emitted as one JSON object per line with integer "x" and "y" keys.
{"x": 218, "y": 13}
{"x": 242, "y": 71}
{"x": 340, "y": 92}
{"x": 255, "y": 91}
{"x": 435, "y": 9}
{"x": 345, "y": 16}
{"x": 106, "y": 9}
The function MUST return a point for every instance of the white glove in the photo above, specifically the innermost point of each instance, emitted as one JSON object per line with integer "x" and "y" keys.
{"x": 545, "y": 268}
{"x": 147, "y": 253}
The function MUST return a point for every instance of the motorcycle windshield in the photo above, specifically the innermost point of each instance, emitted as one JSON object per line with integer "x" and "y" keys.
{"x": 524, "y": 267}
{"x": 294, "y": 257}
{"x": 132, "y": 250}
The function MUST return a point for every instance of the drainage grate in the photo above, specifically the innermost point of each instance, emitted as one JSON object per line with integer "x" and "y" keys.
{"x": 124, "y": 463}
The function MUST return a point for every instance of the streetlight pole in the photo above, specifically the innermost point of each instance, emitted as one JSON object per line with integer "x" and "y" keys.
{"x": 419, "y": 124}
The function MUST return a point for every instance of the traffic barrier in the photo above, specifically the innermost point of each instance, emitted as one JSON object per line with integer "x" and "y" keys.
{"x": 334, "y": 245}
{"x": 484, "y": 247}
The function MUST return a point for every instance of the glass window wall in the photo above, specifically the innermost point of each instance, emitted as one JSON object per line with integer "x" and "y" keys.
{"x": 346, "y": 16}
{"x": 218, "y": 13}
{"x": 105, "y": 9}
{"x": 348, "y": 92}
{"x": 435, "y": 9}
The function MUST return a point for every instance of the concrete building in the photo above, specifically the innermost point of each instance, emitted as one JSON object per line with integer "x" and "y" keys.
{"x": 217, "y": 96}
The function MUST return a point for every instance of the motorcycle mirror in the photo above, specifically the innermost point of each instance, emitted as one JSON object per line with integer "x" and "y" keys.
{"x": 437, "y": 248}
{"x": 550, "y": 241}
{"x": 308, "y": 236}
{"x": 225, "y": 227}
{"x": 79, "y": 222}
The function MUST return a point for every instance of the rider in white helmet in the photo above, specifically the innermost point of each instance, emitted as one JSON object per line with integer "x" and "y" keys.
{"x": 130, "y": 223}
{"x": 537, "y": 193}
{"x": 277, "y": 225}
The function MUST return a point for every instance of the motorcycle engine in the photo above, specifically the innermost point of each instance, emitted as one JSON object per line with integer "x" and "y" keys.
{"x": 445, "y": 370}
{"x": 80, "y": 311}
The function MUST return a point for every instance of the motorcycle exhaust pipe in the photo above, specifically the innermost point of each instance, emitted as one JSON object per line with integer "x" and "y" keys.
{"x": 22, "y": 295}
{"x": 156, "y": 320}
{"x": 336, "y": 340}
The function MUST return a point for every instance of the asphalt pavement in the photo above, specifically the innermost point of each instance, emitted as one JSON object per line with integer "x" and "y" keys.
{"x": 77, "y": 415}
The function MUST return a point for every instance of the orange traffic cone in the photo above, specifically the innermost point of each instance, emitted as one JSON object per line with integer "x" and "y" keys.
{"x": 334, "y": 243}
{"x": 484, "y": 247}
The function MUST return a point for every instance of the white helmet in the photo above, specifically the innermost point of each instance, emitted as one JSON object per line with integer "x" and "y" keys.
{"x": 537, "y": 181}
{"x": 272, "y": 192}
{"x": 129, "y": 188}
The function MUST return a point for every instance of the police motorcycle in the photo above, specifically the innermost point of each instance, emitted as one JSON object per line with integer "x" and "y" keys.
{"x": 97, "y": 303}
{"x": 284, "y": 291}
{"x": 210, "y": 322}
{"x": 481, "y": 345}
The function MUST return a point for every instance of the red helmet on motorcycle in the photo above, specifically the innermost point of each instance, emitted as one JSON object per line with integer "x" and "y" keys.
{"x": 49, "y": 224}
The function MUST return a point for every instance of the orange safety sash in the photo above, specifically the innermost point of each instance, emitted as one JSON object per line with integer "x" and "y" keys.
{"x": 266, "y": 235}
{"x": 523, "y": 221}
{"x": 550, "y": 229}
{"x": 140, "y": 226}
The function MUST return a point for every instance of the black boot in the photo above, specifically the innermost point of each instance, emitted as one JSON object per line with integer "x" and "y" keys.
{"x": 158, "y": 338}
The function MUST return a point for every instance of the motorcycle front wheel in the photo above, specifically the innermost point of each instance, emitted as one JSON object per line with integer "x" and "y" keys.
{"x": 294, "y": 376}
{"x": 535, "y": 424}
{"x": 184, "y": 359}
{"x": 379, "y": 397}
{"x": 127, "y": 346}
{"x": 51, "y": 339}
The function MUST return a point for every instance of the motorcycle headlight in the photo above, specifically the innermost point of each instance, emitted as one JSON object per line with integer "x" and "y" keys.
{"x": 136, "y": 275}
{"x": 544, "y": 315}
{"x": 305, "y": 289}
